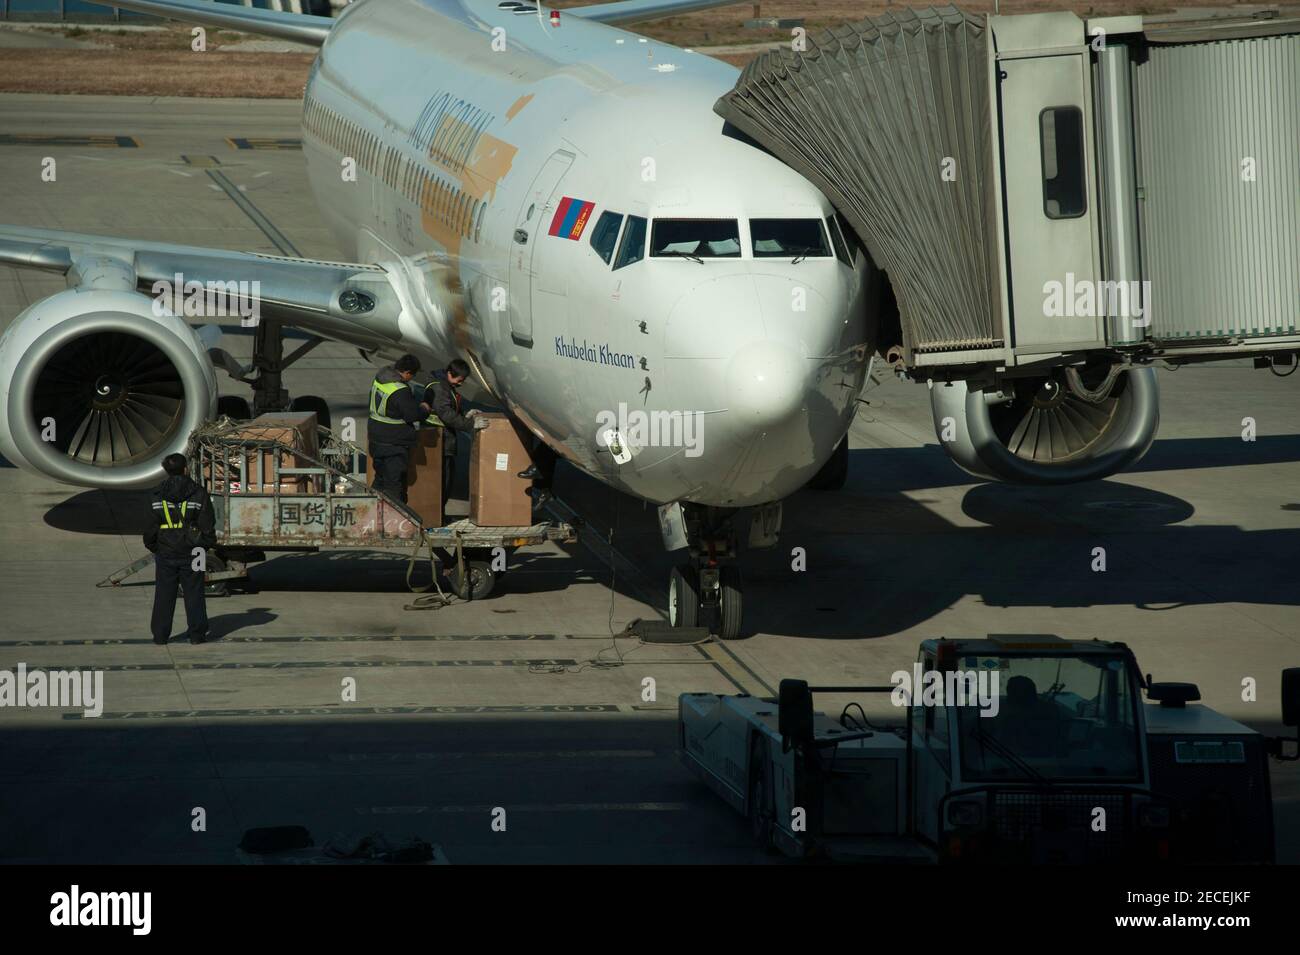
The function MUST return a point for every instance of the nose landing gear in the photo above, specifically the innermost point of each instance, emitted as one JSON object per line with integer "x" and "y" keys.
{"x": 707, "y": 591}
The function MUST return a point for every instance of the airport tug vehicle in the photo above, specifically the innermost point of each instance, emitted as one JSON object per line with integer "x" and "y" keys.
{"x": 1031, "y": 751}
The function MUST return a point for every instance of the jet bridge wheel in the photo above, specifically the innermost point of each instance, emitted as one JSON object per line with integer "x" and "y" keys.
{"x": 683, "y": 598}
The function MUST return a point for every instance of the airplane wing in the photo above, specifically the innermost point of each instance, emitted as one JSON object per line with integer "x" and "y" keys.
{"x": 301, "y": 27}
{"x": 304, "y": 293}
{"x": 637, "y": 11}
{"x": 306, "y": 28}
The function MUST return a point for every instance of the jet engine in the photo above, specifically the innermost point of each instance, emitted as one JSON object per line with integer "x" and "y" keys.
{"x": 98, "y": 388}
{"x": 1063, "y": 428}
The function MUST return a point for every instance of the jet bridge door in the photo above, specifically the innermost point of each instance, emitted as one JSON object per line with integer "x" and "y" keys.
{"x": 1048, "y": 184}
{"x": 530, "y": 225}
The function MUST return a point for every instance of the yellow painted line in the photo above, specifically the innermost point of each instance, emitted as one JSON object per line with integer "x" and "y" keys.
{"x": 263, "y": 143}
{"x": 44, "y": 139}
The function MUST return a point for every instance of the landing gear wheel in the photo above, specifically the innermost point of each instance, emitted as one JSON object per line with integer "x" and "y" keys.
{"x": 481, "y": 580}
{"x": 835, "y": 471}
{"x": 730, "y": 602}
{"x": 760, "y": 810}
{"x": 234, "y": 407}
{"x": 313, "y": 403}
{"x": 683, "y": 598}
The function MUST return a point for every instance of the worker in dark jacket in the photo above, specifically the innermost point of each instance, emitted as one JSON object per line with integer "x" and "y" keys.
{"x": 443, "y": 396}
{"x": 183, "y": 528}
{"x": 394, "y": 414}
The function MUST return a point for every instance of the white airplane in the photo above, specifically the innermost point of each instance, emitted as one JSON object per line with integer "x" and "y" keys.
{"x": 668, "y": 307}
{"x": 657, "y": 298}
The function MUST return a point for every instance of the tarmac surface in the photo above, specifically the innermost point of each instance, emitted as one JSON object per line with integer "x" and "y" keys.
{"x": 526, "y": 701}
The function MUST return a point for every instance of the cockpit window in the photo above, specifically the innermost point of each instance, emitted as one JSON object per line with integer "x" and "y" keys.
{"x": 696, "y": 238}
{"x": 632, "y": 248}
{"x": 837, "y": 239}
{"x": 605, "y": 236}
{"x": 788, "y": 238}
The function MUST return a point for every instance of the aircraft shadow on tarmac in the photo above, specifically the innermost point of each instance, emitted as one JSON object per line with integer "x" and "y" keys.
{"x": 878, "y": 560}
{"x": 126, "y": 513}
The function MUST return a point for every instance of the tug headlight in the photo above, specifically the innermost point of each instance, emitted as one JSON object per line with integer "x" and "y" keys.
{"x": 965, "y": 814}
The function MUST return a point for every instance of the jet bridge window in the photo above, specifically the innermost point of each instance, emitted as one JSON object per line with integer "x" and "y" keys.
{"x": 1065, "y": 191}
{"x": 788, "y": 238}
{"x": 605, "y": 236}
{"x": 696, "y": 238}
{"x": 632, "y": 248}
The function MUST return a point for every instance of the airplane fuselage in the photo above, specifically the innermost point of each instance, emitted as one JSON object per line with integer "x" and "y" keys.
{"x": 509, "y": 168}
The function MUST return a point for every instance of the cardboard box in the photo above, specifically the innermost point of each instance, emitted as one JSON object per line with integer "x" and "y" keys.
{"x": 498, "y": 497}
{"x": 423, "y": 477}
{"x": 304, "y": 422}
{"x": 260, "y": 465}
{"x": 298, "y": 430}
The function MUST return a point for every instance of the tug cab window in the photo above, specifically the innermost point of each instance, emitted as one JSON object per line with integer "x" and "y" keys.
{"x": 788, "y": 238}
{"x": 1065, "y": 192}
{"x": 696, "y": 238}
{"x": 632, "y": 248}
{"x": 605, "y": 236}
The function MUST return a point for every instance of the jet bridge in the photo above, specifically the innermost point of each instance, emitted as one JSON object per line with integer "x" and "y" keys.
{"x": 1055, "y": 201}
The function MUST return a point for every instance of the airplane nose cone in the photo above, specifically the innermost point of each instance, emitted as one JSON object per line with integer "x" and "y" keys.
{"x": 765, "y": 384}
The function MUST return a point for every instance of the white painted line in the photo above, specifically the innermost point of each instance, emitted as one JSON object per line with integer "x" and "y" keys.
{"x": 529, "y": 754}
{"x": 528, "y": 807}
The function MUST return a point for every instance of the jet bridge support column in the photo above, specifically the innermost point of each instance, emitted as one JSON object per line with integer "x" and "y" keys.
{"x": 1121, "y": 253}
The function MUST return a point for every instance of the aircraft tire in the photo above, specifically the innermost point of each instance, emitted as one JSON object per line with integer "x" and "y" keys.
{"x": 234, "y": 407}
{"x": 731, "y": 603}
{"x": 313, "y": 403}
{"x": 683, "y": 598}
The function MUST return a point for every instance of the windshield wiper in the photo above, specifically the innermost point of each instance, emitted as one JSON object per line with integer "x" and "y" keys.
{"x": 684, "y": 255}
{"x": 801, "y": 253}
{"x": 1008, "y": 755}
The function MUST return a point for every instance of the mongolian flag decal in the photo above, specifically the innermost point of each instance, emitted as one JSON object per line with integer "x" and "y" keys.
{"x": 571, "y": 218}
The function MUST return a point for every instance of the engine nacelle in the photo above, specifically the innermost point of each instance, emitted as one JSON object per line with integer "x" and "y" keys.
{"x": 99, "y": 388}
{"x": 1048, "y": 432}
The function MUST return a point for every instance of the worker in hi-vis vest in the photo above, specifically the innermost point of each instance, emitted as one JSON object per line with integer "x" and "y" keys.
{"x": 443, "y": 396}
{"x": 395, "y": 412}
{"x": 183, "y": 526}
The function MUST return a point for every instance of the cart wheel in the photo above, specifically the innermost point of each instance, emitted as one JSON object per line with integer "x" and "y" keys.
{"x": 234, "y": 407}
{"x": 760, "y": 806}
{"x": 730, "y": 603}
{"x": 683, "y": 598}
{"x": 480, "y": 584}
{"x": 222, "y": 587}
{"x": 313, "y": 403}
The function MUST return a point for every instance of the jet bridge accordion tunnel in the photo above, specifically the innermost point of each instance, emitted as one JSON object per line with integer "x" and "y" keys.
{"x": 1058, "y": 205}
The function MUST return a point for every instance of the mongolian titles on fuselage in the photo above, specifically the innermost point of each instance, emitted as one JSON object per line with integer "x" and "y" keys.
{"x": 448, "y": 130}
